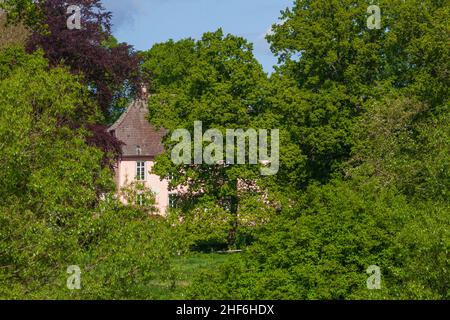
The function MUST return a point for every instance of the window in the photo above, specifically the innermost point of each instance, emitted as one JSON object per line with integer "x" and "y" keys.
{"x": 173, "y": 199}
{"x": 140, "y": 200}
{"x": 140, "y": 170}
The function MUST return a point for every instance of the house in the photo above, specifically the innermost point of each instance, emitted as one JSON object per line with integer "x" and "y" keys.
{"x": 142, "y": 143}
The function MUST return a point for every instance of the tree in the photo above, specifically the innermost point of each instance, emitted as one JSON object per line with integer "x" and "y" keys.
{"x": 50, "y": 216}
{"x": 332, "y": 65}
{"x": 369, "y": 110}
{"x": 217, "y": 81}
{"x": 168, "y": 64}
{"x": 110, "y": 69}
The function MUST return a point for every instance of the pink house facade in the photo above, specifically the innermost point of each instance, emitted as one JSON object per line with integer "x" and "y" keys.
{"x": 142, "y": 143}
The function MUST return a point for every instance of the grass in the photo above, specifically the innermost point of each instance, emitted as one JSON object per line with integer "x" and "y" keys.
{"x": 185, "y": 268}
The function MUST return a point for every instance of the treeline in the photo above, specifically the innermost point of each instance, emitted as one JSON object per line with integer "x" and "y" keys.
{"x": 364, "y": 151}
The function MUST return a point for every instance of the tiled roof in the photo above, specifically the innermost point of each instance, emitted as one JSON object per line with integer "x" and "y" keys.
{"x": 138, "y": 135}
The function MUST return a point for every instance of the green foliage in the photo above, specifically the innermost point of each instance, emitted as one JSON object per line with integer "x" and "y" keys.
{"x": 321, "y": 250}
{"x": 167, "y": 64}
{"x": 138, "y": 195}
{"x": 332, "y": 65}
{"x": 23, "y": 11}
{"x": 204, "y": 228}
{"x": 51, "y": 215}
{"x": 401, "y": 142}
{"x": 366, "y": 160}
{"x": 128, "y": 252}
{"x": 10, "y": 34}
{"x": 215, "y": 80}
{"x": 364, "y": 175}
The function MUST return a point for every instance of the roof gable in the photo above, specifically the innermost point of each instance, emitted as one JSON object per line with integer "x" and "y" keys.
{"x": 140, "y": 138}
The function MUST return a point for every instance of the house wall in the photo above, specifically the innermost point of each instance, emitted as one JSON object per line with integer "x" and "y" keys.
{"x": 126, "y": 173}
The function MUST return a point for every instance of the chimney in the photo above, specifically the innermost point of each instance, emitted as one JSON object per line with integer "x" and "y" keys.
{"x": 143, "y": 93}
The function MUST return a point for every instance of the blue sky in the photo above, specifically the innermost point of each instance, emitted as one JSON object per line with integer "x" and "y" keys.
{"x": 143, "y": 23}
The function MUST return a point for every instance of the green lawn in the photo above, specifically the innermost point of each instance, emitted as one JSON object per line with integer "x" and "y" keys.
{"x": 185, "y": 268}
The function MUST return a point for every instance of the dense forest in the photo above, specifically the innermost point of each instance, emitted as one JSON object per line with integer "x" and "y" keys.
{"x": 364, "y": 176}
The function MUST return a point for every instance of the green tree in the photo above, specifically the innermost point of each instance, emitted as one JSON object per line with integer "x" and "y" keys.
{"x": 367, "y": 111}
{"x": 332, "y": 65}
{"x": 168, "y": 64}
{"x": 215, "y": 80}
{"x": 50, "y": 213}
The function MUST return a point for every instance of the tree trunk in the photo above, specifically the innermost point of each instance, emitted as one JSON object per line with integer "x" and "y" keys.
{"x": 234, "y": 204}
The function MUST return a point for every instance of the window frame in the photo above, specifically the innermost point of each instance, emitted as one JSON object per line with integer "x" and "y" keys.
{"x": 140, "y": 199}
{"x": 141, "y": 167}
{"x": 173, "y": 199}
